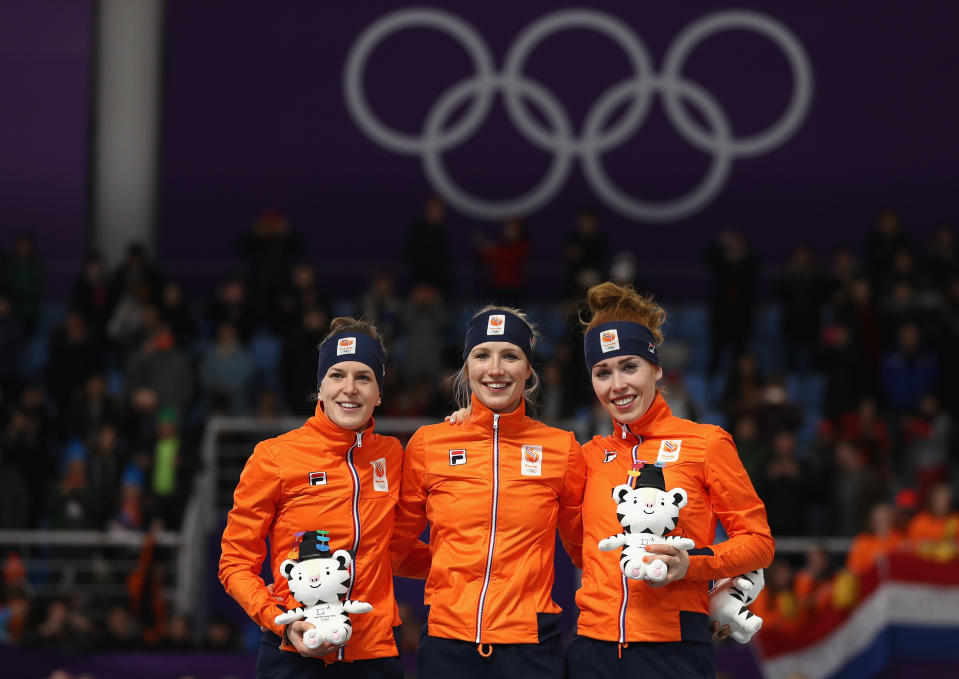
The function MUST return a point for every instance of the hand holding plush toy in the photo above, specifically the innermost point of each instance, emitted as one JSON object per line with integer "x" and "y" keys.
{"x": 647, "y": 512}
{"x": 728, "y": 601}
{"x": 319, "y": 580}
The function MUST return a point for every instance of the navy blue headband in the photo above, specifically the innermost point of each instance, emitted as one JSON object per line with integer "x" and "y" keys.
{"x": 352, "y": 346}
{"x": 498, "y": 325}
{"x": 619, "y": 338}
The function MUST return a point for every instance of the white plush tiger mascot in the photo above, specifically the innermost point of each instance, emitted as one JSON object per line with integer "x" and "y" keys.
{"x": 319, "y": 580}
{"x": 647, "y": 512}
{"x": 728, "y": 601}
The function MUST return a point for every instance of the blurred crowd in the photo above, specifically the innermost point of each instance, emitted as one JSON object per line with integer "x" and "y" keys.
{"x": 839, "y": 385}
{"x": 801, "y": 594}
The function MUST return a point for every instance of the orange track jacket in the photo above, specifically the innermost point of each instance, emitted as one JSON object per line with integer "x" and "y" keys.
{"x": 320, "y": 477}
{"x": 494, "y": 490}
{"x": 701, "y": 459}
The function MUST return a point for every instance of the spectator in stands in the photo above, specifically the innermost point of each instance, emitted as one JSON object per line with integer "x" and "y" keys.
{"x": 858, "y": 487}
{"x": 135, "y": 272}
{"x": 813, "y": 586}
{"x": 506, "y": 262}
{"x": 226, "y": 370}
{"x": 845, "y": 268}
{"x": 900, "y": 306}
{"x": 270, "y": 248}
{"x": 942, "y": 262}
{"x": 75, "y": 505}
{"x": 880, "y": 539}
{"x": 179, "y": 635}
{"x": 948, "y": 323}
{"x": 64, "y": 627}
{"x": 27, "y": 442}
{"x": 131, "y": 511}
{"x": 12, "y": 343}
{"x": 554, "y": 408}
{"x": 222, "y": 635}
{"x": 145, "y": 587}
{"x": 159, "y": 374}
{"x": 425, "y": 324}
{"x": 175, "y": 311}
{"x": 232, "y": 306}
{"x": 938, "y": 521}
{"x": 15, "y": 612}
{"x": 869, "y": 432}
{"x": 743, "y": 390}
{"x": 777, "y": 604}
{"x": 380, "y": 306}
{"x": 882, "y": 243}
{"x": 298, "y": 358}
{"x": 754, "y": 451}
{"x": 908, "y": 373}
{"x": 134, "y": 318}
{"x": 105, "y": 466}
{"x": 302, "y": 292}
{"x": 14, "y": 496}
{"x": 927, "y": 436}
{"x": 427, "y": 253}
{"x": 775, "y": 412}
{"x": 24, "y": 281}
{"x": 122, "y": 633}
{"x": 166, "y": 482}
{"x": 90, "y": 409}
{"x": 677, "y": 397}
{"x": 847, "y": 374}
{"x": 586, "y": 254}
{"x": 860, "y": 315}
{"x": 75, "y": 354}
{"x": 735, "y": 272}
{"x": 91, "y": 294}
{"x": 784, "y": 488}
{"x": 802, "y": 291}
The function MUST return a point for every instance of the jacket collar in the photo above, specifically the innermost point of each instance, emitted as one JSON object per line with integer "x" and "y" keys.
{"x": 642, "y": 428}
{"x": 482, "y": 417}
{"x": 336, "y": 434}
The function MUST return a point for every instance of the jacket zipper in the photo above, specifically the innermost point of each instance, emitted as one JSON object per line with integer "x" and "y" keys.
{"x": 492, "y": 535}
{"x": 622, "y": 610}
{"x": 356, "y": 517}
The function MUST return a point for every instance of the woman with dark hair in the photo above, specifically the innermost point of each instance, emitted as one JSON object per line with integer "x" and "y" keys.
{"x": 644, "y": 608}
{"x": 333, "y": 474}
{"x": 494, "y": 489}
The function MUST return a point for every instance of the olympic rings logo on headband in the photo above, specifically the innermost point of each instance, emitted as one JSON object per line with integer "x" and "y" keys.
{"x": 596, "y": 137}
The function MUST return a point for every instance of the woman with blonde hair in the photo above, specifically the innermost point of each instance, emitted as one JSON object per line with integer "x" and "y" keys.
{"x": 643, "y": 609}
{"x": 494, "y": 489}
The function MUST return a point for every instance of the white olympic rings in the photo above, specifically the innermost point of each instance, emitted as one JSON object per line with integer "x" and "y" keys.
{"x": 559, "y": 138}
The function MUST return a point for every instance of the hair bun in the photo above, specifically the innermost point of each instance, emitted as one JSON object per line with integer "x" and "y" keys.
{"x": 609, "y": 296}
{"x": 611, "y": 302}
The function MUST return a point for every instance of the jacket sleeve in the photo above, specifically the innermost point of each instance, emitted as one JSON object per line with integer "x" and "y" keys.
{"x": 243, "y": 547}
{"x": 570, "y": 522}
{"x": 739, "y": 509}
{"x": 414, "y": 564}
{"x": 407, "y": 556}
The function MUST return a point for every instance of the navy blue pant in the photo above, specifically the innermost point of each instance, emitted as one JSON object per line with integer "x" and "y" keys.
{"x": 593, "y": 659}
{"x": 439, "y": 658}
{"x": 272, "y": 663}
